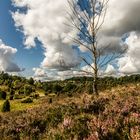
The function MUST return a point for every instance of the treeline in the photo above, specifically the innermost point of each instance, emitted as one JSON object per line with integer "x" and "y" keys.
{"x": 85, "y": 84}
{"x": 17, "y": 86}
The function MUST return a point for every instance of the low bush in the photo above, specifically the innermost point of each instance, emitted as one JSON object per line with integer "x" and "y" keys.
{"x": 97, "y": 106}
{"x": 27, "y": 100}
{"x": 18, "y": 96}
{"x": 81, "y": 128}
{"x": 3, "y": 95}
{"x": 6, "y": 106}
{"x": 28, "y": 90}
{"x": 34, "y": 95}
{"x": 70, "y": 87}
{"x": 57, "y": 88}
{"x": 11, "y": 97}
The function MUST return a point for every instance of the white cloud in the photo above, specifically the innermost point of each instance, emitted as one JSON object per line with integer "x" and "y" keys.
{"x": 120, "y": 18}
{"x": 110, "y": 70}
{"x": 39, "y": 72}
{"x": 45, "y": 20}
{"x": 44, "y": 74}
{"x": 130, "y": 62}
{"x": 6, "y": 58}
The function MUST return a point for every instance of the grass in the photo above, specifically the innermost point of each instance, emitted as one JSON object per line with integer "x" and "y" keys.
{"x": 117, "y": 91}
{"x": 17, "y": 105}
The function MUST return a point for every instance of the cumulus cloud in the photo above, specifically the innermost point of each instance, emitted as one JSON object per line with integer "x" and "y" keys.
{"x": 45, "y": 20}
{"x": 6, "y": 58}
{"x": 110, "y": 70}
{"x": 130, "y": 62}
{"x": 121, "y": 18}
{"x": 39, "y": 72}
{"x": 44, "y": 74}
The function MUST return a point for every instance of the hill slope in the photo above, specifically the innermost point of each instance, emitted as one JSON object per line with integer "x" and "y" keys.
{"x": 113, "y": 115}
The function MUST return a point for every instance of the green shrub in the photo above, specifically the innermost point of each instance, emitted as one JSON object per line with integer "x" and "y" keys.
{"x": 21, "y": 90}
{"x": 81, "y": 128}
{"x": 28, "y": 89}
{"x": 90, "y": 88}
{"x": 17, "y": 96}
{"x": 36, "y": 95}
{"x": 6, "y": 106}
{"x": 47, "y": 87}
{"x": 69, "y": 87}
{"x": 97, "y": 106}
{"x": 55, "y": 116}
{"x": 12, "y": 92}
{"x": 3, "y": 95}
{"x": 57, "y": 88}
{"x": 58, "y": 137}
{"x": 27, "y": 100}
{"x": 31, "y": 81}
{"x": 11, "y": 97}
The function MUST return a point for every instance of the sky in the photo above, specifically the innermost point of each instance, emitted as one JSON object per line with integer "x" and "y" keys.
{"x": 34, "y": 40}
{"x": 12, "y": 37}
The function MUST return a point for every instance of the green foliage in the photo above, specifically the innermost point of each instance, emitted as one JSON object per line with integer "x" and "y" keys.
{"x": 12, "y": 92}
{"x": 1, "y": 81}
{"x": 28, "y": 89}
{"x": 57, "y": 88}
{"x": 47, "y": 87}
{"x": 18, "y": 96}
{"x": 3, "y": 95}
{"x": 27, "y": 100}
{"x": 17, "y": 84}
{"x": 6, "y": 106}
{"x": 58, "y": 137}
{"x": 21, "y": 90}
{"x": 4, "y": 76}
{"x": 90, "y": 88}
{"x": 69, "y": 87}
{"x": 36, "y": 95}
{"x": 11, "y": 97}
{"x": 55, "y": 116}
{"x": 31, "y": 81}
{"x": 81, "y": 128}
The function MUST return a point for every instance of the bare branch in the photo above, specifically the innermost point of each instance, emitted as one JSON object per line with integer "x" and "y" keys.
{"x": 88, "y": 25}
{"x": 84, "y": 59}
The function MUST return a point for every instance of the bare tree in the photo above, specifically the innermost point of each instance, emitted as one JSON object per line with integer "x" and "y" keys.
{"x": 87, "y": 17}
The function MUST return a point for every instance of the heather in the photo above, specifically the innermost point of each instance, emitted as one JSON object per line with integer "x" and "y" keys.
{"x": 68, "y": 110}
{"x": 113, "y": 115}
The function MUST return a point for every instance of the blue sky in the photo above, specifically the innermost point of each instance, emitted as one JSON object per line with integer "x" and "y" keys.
{"x": 9, "y": 34}
{"x": 43, "y": 44}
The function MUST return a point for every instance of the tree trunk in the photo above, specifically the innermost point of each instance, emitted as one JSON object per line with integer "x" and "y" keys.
{"x": 95, "y": 83}
{"x": 95, "y": 56}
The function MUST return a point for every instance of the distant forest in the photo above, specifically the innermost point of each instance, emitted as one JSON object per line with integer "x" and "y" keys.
{"x": 21, "y": 85}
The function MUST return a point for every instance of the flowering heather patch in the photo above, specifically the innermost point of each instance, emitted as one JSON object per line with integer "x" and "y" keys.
{"x": 114, "y": 115}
